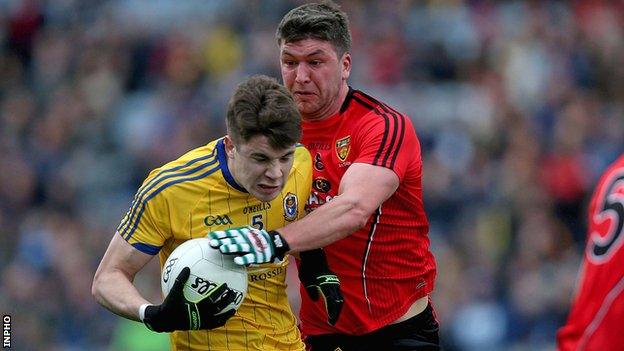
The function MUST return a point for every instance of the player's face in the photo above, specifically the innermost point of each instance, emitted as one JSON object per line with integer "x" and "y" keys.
{"x": 315, "y": 75}
{"x": 258, "y": 167}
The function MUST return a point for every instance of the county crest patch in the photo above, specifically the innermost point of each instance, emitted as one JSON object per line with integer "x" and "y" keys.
{"x": 290, "y": 207}
{"x": 343, "y": 146}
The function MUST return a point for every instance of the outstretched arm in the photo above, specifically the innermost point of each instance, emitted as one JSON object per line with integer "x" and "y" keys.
{"x": 363, "y": 189}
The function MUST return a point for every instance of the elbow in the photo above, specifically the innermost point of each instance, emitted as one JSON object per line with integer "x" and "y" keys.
{"x": 96, "y": 287}
{"x": 359, "y": 216}
{"x": 360, "y": 221}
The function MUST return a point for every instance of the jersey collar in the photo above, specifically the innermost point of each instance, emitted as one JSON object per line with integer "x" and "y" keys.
{"x": 347, "y": 100}
{"x": 221, "y": 155}
{"x": 329, "y": 122}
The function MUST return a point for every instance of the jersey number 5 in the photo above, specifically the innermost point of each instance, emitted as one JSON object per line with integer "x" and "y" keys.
{"x": 604, "y": 243}
{"x": 256, "y": 222}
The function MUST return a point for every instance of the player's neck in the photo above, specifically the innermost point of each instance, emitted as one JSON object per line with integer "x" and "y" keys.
{"x": 332, "y": 110}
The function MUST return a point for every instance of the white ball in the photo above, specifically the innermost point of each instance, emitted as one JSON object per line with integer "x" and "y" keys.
{"x": 209, "y": 267}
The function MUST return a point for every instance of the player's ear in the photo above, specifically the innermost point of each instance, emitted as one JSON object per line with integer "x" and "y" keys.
{"x": 345, "y": 62}
{"x": 229, "y": 146}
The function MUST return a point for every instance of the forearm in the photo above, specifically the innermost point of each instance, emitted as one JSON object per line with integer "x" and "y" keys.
{"x": 325, "y": 225}
{"x": 115, "y": 291}
{"x": 363, "y": 188}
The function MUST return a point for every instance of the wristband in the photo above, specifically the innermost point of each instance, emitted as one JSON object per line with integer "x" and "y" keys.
{"x": 315, "y": 258}
{"x": 280, "y": 244}
{"x": 142, "y": 311}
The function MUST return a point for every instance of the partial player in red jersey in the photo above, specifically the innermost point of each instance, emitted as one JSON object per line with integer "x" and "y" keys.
{"x": 596, "y": 320}
{"x": 366, "y": 206}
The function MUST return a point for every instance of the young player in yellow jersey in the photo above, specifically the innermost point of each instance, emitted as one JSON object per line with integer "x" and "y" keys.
{"x": 258, "y": 176}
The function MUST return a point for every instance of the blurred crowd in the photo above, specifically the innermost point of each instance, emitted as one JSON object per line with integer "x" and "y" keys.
{"x": 519, "y": 106}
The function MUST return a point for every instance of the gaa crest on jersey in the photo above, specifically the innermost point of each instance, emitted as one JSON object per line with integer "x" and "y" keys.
{"x": 342, "y": 147}
{"x": 290, "y": 207}
{"x": 211, "y": 220}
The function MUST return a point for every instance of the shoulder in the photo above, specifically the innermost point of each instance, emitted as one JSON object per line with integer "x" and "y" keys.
{"x": 371, "y": 104}
{"x": 610, "y": 181}
{"x": 302, "y": 153}
{"x": 619, "y": 163}
{"x": 169, "y": 179}
{"x": 613, "y": 173}
{"x": 200, "y": 155}
{"x": 303, "y": 160}
{"x": 372, "y": 110}
{"x": 373, "y": 119}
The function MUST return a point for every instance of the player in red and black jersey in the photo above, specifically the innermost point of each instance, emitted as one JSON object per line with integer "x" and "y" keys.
{"x": 366, "y": 206}
{"x": 367, "y": 152}
{"x": 597, "y": 315}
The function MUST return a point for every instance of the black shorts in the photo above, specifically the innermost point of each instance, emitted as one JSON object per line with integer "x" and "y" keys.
{"x": 417, "y": 333}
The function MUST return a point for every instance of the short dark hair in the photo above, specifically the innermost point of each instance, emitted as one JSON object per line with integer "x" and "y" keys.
{"x": 324, "y": 21}
{"x": 262, "y": 106}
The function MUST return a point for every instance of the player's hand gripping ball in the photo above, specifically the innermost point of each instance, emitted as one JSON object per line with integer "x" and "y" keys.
{"x": 209, "y": 270}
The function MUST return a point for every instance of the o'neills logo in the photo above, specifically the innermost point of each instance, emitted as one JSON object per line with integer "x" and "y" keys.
{"x": 290, "y": 207}
{"x": 342, "y": 147}
{"x": 257, "y": 208}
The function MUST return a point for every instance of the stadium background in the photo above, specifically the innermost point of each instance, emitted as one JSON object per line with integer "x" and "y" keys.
{"x": 519, "y": 105}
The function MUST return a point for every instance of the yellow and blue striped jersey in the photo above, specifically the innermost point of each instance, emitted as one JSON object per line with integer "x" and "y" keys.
{"x": 196, "y": 194}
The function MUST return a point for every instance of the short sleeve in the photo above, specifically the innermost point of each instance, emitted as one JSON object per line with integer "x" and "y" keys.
{"x": 144, "y": 225}
{"x": 387, "y": 139}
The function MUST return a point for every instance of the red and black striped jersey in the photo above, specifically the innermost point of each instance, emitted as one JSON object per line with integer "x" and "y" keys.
{"x": 597, "y": 313}
{"x": 387, "y": 265}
